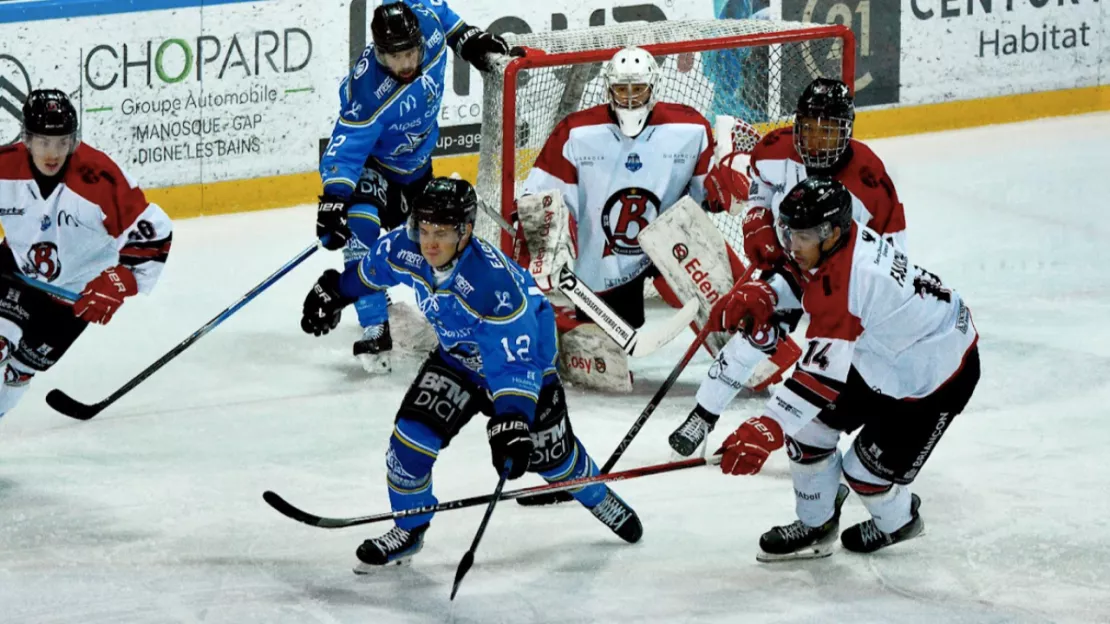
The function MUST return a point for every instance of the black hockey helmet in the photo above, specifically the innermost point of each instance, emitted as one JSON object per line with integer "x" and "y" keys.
{"x": 394, "y": 28}
{"x": 817, "y": 204}
{"x": 828, "y": 100}
{"x": 444, "y": 201}
{"x": 48, "y": 112}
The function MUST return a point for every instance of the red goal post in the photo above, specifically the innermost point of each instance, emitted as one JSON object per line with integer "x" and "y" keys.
{"x": 752, "y": 70}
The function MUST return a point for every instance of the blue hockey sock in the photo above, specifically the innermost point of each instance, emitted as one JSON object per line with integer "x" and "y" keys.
{"x": 578, "y": 465}
{"x": 372, "y": 309}
{"x": 413, "y": 449}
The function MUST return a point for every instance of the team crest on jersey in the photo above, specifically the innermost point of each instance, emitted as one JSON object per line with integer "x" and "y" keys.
{"x": 623, "y": 216}
{"x": 415, "y": 140}
{"x": 633, "y": 163}
{"x": 43, "y": 260}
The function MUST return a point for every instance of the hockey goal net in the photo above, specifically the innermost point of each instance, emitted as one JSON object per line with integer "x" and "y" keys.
{"x": 753, "y": 70}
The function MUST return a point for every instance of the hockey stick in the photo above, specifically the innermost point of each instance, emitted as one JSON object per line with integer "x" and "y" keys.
{"x": 287, "y": 509}
{"x": 73, "y": 408}
{"x": 468, "y": 559}
{"x": 666, "y": 387}
{"x": 59, "y": 293}
{"x": 632, "y": 341}
{"x": 552, "y": 498}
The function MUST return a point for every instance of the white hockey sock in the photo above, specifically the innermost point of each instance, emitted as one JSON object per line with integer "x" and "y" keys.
{"x": 728, "y": 374}
{"x": 815, "y": 486}
{"x": 889, "y": 509}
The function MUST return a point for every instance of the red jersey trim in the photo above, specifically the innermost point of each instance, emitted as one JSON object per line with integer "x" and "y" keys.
{"x": 95, "y": 176}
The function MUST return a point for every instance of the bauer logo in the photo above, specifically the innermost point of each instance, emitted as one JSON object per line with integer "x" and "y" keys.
{"x": 878, "y": 30}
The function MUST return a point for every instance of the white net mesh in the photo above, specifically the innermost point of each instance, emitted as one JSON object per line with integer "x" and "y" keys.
{"x": 753, "y": 70}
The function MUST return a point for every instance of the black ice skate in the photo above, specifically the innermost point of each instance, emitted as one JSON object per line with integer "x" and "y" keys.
{"x": 395, "y": 547}
{"x": 373, "y": 350}
{"x": 619, "y": 517}
{"x": 865, "y": 537}
{"x": 799, "y": 541}
{"x": 691, "y": 434}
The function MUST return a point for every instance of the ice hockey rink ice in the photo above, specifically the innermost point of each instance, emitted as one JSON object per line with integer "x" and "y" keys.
{"x": 152, "y": 512}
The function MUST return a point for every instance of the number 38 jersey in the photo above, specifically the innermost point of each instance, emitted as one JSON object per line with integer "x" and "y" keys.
{"x": 873, "y": 310}
{"x": 96, "y": 217}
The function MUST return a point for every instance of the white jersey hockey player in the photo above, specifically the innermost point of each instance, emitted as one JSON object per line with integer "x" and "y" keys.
{"x": 820, "y": 143}
{"x": 891, "y": 351}
{"x": 72, "y": 219}
{"x": 610, "y": 170}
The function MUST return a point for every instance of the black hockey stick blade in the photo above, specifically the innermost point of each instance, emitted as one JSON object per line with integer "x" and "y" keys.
{"x": 464, "y": 566}
{"x": 545, "y": 498}
{"x": 289, "y": 511}
{"x": 468, "y": 559}
{"x": 65, "y": 404}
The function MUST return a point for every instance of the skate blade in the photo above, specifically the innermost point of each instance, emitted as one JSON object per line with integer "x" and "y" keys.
{"x": 363, "y": 569}
{"x": 817, "y": 551}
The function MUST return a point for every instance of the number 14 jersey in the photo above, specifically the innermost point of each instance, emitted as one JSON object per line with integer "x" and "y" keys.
{"x": 870, "y": 308}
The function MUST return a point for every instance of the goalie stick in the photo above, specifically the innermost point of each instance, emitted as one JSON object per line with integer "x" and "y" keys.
{"x": 73, "y": 408}
{"x": 287, "y": 509}
{"x": 552, "y": 498}
{"x": 633, "y": 342}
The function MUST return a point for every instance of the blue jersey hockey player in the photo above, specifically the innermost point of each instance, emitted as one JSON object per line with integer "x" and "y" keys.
{"x": 379, "y": 156}
{"x": 496, "y": 355}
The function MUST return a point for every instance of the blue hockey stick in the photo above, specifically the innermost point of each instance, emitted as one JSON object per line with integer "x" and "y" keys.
{"x": 65, "y": 404}
{"x": 60, "y": 293}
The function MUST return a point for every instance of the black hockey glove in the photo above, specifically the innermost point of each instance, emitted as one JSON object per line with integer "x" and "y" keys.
{"x": 324, "y": 305}
{"x": 509, "y": 438}
{"x": 474, "y": 46}
{"x": 331, "y": 222}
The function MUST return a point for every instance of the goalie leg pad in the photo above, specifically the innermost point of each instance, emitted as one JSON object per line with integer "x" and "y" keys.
{"x": 442, "y": 399}
{"x": 590, "y": 359}
{"x": 413, "y": 449}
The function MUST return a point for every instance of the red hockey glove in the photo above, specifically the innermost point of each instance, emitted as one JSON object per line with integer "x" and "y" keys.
{"x": 748, "y": 308}
{"x": 105, "y": 294}
{"x": 750, "y": 445}
{"x": 723, "y": 185}
{"x": 761, "y": 244}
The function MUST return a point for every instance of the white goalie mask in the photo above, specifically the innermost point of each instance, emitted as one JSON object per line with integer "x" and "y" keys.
{"x": 630, "y": 78}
